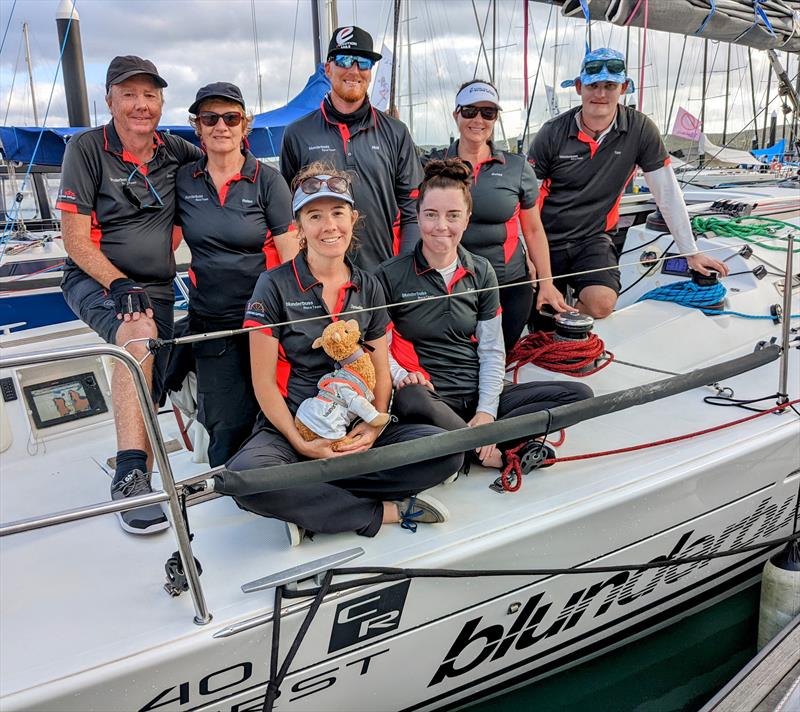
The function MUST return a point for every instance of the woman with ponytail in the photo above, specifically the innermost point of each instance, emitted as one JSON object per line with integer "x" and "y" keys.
{"x": 446, "y": 354}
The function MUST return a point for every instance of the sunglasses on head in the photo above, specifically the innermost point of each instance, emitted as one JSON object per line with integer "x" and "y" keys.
{"x": 470, "y": 112}
{"x": 345, "y": 61}
{"x": 335, "y": 184}
{"x": 211, "y": 118}
{"x": 614, "y": 66}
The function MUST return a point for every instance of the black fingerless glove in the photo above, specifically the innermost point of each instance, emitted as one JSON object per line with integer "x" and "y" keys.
{"x": 129, "y": 297}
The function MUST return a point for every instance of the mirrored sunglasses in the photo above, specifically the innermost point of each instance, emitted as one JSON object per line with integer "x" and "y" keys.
{"x": 614, "y": 66}
{"x": 345, "y": 61}
{"x": 487, "y": 112}
{"x": 211, "y": 118}
{"x": 335, "y": 184}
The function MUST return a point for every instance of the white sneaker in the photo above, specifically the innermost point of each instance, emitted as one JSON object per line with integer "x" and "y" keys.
{"x": 421, "y": 509}
{"x": 294, "y": 533}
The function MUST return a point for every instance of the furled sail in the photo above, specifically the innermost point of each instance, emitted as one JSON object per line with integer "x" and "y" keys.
{"x": 761, "y": 24}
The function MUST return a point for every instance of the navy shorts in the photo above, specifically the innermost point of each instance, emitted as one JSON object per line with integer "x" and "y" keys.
{"x": 591, "y": 253}
{"x": 90, "y": 302}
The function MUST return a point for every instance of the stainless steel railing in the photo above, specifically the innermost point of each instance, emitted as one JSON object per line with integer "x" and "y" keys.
{"x": 170, "y": 493}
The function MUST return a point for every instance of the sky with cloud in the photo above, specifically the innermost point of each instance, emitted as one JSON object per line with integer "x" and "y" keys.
{"x": 194, "y": 42}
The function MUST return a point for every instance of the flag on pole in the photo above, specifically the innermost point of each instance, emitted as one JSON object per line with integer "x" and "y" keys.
{"x": 686, "y": 125}
{"x": 382, "y": 84}
{"x": 552, "y": 101}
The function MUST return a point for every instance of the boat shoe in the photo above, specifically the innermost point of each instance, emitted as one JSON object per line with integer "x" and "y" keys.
{"x": 421, "y": 509}
{"x": 142, "y": 520}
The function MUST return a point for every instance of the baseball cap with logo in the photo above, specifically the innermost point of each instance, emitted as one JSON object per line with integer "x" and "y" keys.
{"x": 127, "y": 66}
{"x": 478, "y": 91}
{"x": 354, "y": 41}
{"x": 603, "y": 65}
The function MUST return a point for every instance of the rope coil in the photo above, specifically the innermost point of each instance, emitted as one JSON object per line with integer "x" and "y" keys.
{"x": 575, "y": 358}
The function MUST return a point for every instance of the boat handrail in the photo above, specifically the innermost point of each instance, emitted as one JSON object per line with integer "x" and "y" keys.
{"x": 168, "y": 495}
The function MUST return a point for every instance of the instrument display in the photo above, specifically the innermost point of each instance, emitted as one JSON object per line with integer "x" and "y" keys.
{"x": 65, "y": 399}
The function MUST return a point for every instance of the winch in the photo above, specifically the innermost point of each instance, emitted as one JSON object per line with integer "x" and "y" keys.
{"x": 572, "y": 326}
{"x": 706, "y": 281}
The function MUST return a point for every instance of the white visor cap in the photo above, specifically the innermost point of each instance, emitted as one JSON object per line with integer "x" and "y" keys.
{"x": 478, "y": 91}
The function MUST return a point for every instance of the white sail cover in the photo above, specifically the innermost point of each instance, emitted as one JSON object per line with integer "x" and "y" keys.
{"x": 762, "y": 24}
{"x": 731, "y": 156}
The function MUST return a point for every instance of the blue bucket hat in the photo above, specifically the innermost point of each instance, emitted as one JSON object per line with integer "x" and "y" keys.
{"x": 602, "y": 54}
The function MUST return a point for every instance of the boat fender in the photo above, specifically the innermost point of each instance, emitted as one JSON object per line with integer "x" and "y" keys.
{"x": 780, "y": 592}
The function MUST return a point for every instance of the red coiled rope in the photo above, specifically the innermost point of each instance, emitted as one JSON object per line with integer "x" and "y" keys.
{"x": 572, "y": 357}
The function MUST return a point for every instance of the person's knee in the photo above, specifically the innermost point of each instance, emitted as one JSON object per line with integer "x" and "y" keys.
{"x": 598, "y": 303}
{"x": 133, "y": 335}
{"x": 410, "y": 401}
{"x": 580, "y": 391}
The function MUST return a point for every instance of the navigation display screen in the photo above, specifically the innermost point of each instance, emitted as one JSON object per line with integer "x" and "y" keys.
{"x": 676, "y": 266}
{"x": 65, "y": 399}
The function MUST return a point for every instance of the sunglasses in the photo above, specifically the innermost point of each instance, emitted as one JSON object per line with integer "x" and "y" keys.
{"x": 211, "y": 118}
{"x": 614, "y": 66}
{"x": 345, "y": 61}
{"x": 132, "y": 192}
{"x": 470, "y": 112}
{"x": 335, "y": 184}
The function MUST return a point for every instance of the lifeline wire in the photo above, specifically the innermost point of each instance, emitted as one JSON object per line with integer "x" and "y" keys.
{"x": 207, "y": 336}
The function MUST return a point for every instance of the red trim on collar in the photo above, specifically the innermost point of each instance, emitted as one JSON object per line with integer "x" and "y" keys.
{"x": 340, "y": 300}
{"x": 297, "y": 277}
{"x": 585, "y": 138}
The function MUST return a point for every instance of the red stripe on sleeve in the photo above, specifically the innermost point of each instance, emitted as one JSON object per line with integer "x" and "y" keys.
{"x": 66, "y": 207}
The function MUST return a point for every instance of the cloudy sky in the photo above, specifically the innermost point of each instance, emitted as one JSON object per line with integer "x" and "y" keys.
{"x": 194, "y": 42}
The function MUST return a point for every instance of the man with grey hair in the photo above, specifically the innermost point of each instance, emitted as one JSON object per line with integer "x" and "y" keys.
{"x": 117, "y": 202}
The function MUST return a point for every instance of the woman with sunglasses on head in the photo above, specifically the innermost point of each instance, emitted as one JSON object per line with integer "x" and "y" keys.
{"x": 447, "y": 355}
{"x": 322, "y": 281}
{"x": 504, "y": 194}
{"x": 236, "y": 218}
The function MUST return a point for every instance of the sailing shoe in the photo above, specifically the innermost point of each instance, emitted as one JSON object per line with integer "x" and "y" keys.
{"x": 143, "y": 520}
{"x": 294, "y": 533}
{"x": 421, "y": 509}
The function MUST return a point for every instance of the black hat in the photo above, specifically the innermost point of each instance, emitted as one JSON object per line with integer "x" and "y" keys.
{"x": 122, "y": 68}
{"x": 217, "y": 90}
{"x": 352, "y": 40}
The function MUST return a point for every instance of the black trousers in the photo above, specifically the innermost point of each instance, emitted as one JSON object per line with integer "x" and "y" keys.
{"x": 422, "y": 405}
{"x": 226, "y": 404}
{"x": 352, "y": 504}
{"x": 516, "y": 300}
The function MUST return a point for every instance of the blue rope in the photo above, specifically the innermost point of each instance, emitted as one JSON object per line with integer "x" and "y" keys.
{"x": 699, "y": 30}
{"x": 8, "y": 24}
{"x": 12, "y": 219}
{"x": 689, "y": 294}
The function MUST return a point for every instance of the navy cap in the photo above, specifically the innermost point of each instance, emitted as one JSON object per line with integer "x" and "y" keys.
{"x": 129, "y": 65}
{"x": 217, "y": 90}
{"x": 352, "y": 40}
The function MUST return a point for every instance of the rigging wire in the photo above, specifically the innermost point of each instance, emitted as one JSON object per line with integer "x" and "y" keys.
{"x": 291, "y": 56}
{"x": 8, "y": 25}
{"x": 13, "y": 80}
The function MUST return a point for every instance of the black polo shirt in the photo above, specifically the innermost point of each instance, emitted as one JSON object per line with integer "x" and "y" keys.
{"x": 381, "y": 157}
{"x": 502, "y": 185}
{"x": 291, "y": 292}
{"x": 583, "y": 181}
{"x": 230, "y": 233}
{"x": 95, "y": 169}
{"x": 437, "y": 337}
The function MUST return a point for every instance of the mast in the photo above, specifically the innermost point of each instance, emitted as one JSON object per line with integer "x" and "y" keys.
{"x": 753, "y": 97}
{"x": 766, "y": 106}
{"x": 408, "y": 65}
{"x": 69, "y": 37}
{"x": 494, "y": 38}
{"x": 705, "y": 87}
{"x": 727, "y": 90}
{"x": 315, "y": 33}
{"x": 525, "y": 10}
{"x": 30, "y": 73}
{"x": 393, "y": 81}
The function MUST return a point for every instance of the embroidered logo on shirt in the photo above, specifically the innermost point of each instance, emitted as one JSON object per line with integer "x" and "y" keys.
{"x": 305, "y": 306}
{"x": 256, "y": 309}
{"x": 322, "y": 147}
{"x": 570, "y": 157}
{"x": 413, "y": 295}
{"x": 197, "y": 198}
{"x": 247, "y": 201}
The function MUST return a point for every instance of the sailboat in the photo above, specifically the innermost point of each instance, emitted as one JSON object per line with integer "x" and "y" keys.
{"x": 657, "y": 503}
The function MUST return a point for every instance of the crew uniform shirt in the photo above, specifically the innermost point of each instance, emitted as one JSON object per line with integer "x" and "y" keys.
{"x": 502, "y": 185}
{"x": 437, "y": 337}
{"x": 378, "y": 152}
{"x": 230, "y": 233}
{"x": 583, "y": 180}
{"x": 291, "y": 292}
{"x": 137, "y": 242}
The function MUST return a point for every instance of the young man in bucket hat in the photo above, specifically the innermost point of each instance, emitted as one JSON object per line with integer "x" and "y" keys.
{"x": 584, "y": 159}
{"x": 373, "y": 147}
{"x": 117, "y": 202}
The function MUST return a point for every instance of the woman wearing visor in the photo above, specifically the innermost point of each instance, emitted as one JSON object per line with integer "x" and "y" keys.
{"x": 236, "y": 218}
{"x": 504, "y": 192}
{"x": 322, "y": 281}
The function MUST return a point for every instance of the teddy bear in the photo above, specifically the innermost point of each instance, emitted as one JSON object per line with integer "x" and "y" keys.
{"x": 345, "y": 393}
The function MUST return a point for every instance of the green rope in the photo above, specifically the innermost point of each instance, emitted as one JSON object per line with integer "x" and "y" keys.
{"x": 736, "y": 227}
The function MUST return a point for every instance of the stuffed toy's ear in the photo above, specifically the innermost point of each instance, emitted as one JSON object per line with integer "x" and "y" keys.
{"x": 352, "y": 325}
{"x": 317, "y": 343}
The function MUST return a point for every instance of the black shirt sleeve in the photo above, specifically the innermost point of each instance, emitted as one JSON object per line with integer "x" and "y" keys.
{"x": 652, "y": 151}
{"x": 277, "y": 199}
{"x": 489, "y": 300}
{"x": 289, "y": 161}
{"x": 265, "y": 306}
{"x": 408, "y": 176}
{"x": 539, "y": 153}
{"x": 80, "y": 178}
{"x": 379, "y": 320}
{"x": 528, "y": 187}
{"x": 185, "y": 151}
